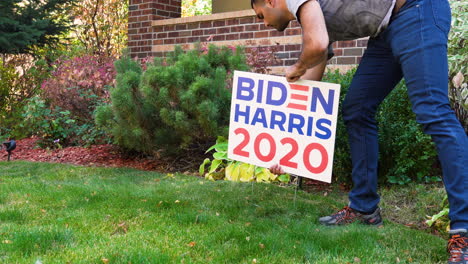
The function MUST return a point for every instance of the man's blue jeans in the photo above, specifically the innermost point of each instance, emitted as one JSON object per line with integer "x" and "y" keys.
{"x": 414, "y": 46}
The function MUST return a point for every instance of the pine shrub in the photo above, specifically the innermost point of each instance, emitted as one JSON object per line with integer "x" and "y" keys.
{"x": 174, "y": 104}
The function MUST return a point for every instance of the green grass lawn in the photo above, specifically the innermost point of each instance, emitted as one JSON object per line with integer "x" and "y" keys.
{"x": 67, "y": 214}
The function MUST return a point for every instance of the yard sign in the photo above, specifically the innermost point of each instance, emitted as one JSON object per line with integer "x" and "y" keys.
{"x": 290, "y": 124}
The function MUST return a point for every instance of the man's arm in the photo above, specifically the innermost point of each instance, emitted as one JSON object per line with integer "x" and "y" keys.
{"x": 314, "y": 42}
{"x": 315, "y": 73}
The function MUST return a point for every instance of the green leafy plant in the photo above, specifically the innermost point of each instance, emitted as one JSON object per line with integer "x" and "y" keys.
{"x": 51, "y": 126}
{"x": 21, "y": 78}
{"x": 4, "y": 134}
{"x": 8, "y": 75}
{"x": 223, "y": 168}
{"x": 440, "y": 221}
{"x": 406, "y": 153}
{"x": 56, "y": 127}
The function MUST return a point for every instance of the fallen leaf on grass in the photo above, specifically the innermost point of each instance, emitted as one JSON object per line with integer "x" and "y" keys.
{"x": 122, "y": 228}
{"x": 261, "y": 245}
{"x": 191, "y": 244}
{"x": 7, "y": 241}
{"x": 357, "y": 260}
{"x": 105, "y": 261}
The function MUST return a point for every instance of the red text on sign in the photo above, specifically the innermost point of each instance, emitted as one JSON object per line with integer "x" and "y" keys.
{"x": 286, "y": 160}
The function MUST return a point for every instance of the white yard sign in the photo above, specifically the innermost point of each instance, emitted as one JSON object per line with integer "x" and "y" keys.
{"x": 290, "y": 124}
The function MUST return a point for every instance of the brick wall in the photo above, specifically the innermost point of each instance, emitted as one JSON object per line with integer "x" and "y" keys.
{"x": 141, "y": 15}
{"x": 232, "y": 28}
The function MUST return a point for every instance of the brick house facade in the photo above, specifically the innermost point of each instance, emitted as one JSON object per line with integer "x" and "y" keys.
{"x": 155, "y": 27}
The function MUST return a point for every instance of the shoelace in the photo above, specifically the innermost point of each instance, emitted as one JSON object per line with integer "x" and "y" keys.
{"x": 348, "y": 214}
{"x": 455, "y": 247}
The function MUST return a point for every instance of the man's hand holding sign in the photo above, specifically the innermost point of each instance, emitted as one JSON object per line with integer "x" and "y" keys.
{"x": 289, "y": 124}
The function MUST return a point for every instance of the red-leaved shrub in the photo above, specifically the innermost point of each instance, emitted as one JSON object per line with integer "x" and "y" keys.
{"x": 78, "y": 84}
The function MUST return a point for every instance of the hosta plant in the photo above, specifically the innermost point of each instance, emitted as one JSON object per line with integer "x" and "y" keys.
{"x": 440, "y": 221}
{"x": 221, "y": 167}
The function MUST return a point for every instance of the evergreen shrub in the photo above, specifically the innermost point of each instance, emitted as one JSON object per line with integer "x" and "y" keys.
{"x": 175, "y": 104}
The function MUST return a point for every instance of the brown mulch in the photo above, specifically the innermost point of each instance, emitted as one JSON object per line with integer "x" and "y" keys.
{"x": 98, "y": 155}
{"x": 111, "y": 156}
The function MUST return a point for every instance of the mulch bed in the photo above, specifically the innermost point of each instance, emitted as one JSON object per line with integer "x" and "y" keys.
{"x": 111, "y": 156}
{"x": 99, "y": 155}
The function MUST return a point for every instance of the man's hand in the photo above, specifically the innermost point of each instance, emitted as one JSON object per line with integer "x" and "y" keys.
{"x": 276, "y": 169}
{"x": 294, "y": 72}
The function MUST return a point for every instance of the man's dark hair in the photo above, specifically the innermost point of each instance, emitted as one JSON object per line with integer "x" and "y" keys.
{"x": 252, "y": 2}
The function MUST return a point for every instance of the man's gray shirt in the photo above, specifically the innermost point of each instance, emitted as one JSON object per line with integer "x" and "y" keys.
{"x": 351, "y": 19}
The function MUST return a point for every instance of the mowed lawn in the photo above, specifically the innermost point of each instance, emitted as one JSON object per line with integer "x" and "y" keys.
{"x": 54, "y": 213}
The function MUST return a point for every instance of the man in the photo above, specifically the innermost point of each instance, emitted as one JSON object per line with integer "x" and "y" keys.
{"x": 407, "y": 39}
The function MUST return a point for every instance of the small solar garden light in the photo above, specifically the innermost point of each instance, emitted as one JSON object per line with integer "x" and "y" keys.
{"x": 9, "y": 146}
